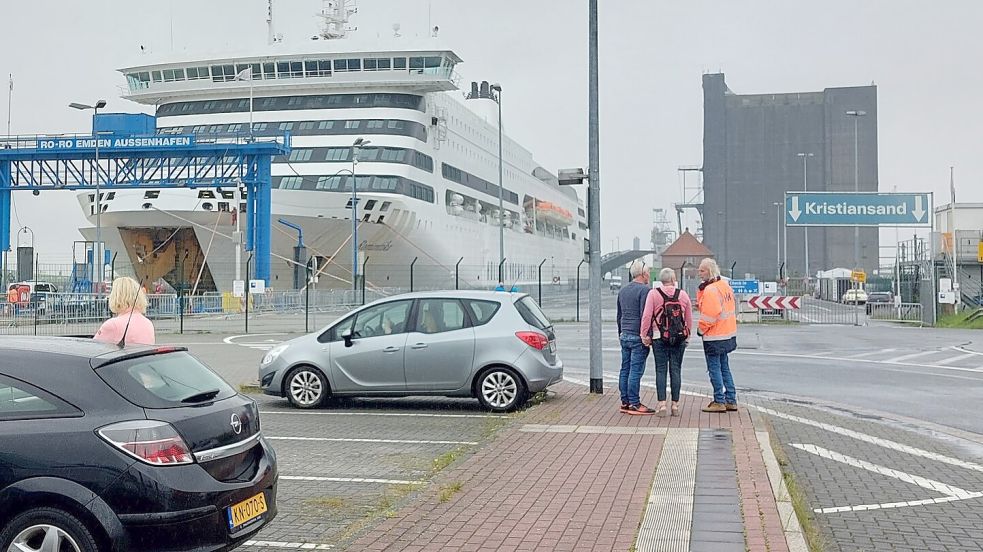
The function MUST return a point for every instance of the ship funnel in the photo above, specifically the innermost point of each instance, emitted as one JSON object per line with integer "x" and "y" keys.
{"x": 484, "y": 90}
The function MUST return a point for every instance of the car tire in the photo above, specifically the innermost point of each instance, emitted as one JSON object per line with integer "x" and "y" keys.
{"x": 500, "y": 389}
{"x": 27, "y": 531}
{"x": 306, "y": 387}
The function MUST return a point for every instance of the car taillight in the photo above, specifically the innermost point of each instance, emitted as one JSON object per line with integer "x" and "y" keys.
{"x": 149, "y": 441}
{"x": 535, "y": 340}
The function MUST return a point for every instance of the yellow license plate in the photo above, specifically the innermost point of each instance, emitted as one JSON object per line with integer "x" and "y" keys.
{"x": 246, "y": 511}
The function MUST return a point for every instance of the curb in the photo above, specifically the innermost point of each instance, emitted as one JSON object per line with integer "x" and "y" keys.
{"x": 790, "y": 523}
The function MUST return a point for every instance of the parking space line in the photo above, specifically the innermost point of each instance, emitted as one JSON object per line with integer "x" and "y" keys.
{"x": 951, "y": 493}
{"x": 384, "y": 414}
{"x": 913, "y": 355}
{"x": 875, "y": 440}
{"x": 350, "y": 480}
{"x": 956, "y": 358}
{"x": 354, "y": 440}
{"x": 871, "y": 353}
{"x": 288, "y": 545}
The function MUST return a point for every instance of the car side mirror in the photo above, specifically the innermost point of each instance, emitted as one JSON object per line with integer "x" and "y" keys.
{"x": 347, "y": 336}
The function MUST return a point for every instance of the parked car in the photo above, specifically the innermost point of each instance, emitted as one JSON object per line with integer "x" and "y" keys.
{"x": 854, "y": 297}
{"x": 497, "y": 347}
{"x": 615, "y": 283}
{"x": 879, "y": 297}
{"x": 140, "y": 448}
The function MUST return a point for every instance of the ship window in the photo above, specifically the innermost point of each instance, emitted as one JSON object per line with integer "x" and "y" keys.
{"x": 301, "y": 154}
{"x": 307, "y": 125}
{"x": 269, "y": 71}
{"x": 198, "y": 129}
{"x": 92, "y": 198}
{"x": 374, "y": 124}
{"x": 352, "y": 124}
{"x": 260, "y": 126}
{"x": 385, "y": 206}
{"x": 296, "y": 69}
{"x": 381, "y": 218}
{"x": 416, "y": 64}
{"x": 228, "y": 195}
{"x": 151, "y": 194}
{"x": 143, "y": 77}
{"x": 310, "y": 69}
{"x": 329, "y": 183}
{"x": 235, "y": 127}
{"x": 383, "y": 64}
{"x": 194, "y": 73}
{"x": 340, "y": 65}
{"x": 324, "y": 68}
{"x": 283, "y": 70}
{"x": 206, "y": 194}
{"x": 354, "y": 65}
{"x": 370, "y": 204}
{"x": 325, "y": 125}
{"x": 294, "y": 101}
{"x": 110, "y": 195}
{"x": 370, "y": 64}
{"x": 432, "y": 62}
{"x": 337, "y": 154}
{"x": 287, "y": 126}
{"x": 368, "y": 154}
{"x": 291, "y": 183}
{"x": 156, "y": 76}
{"x": 171, "y": 75}
{"x": 366, "y": 218}
{"x": 217, "y": 73}
{"x": 399, "y": 63}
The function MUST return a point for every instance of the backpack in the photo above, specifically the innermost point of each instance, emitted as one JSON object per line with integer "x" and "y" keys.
{"x": 671, "y": 320}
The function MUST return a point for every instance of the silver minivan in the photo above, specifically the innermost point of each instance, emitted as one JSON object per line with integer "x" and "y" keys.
{"x": 496, "y": 346}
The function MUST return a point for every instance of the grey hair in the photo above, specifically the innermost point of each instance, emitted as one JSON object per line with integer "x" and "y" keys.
{"x": 711, "y": 266}
{"x": 667, "y": 275}
{"x": 636, "y": 269}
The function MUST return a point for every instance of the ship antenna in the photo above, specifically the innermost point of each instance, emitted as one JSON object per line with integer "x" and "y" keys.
{"x": 335, "y": 15}
{"x": 270, "y": 36}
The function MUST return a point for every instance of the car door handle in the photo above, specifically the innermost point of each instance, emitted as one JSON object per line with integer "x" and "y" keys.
{"x": 390, "y": 349}
{"x": 420, "y": 346}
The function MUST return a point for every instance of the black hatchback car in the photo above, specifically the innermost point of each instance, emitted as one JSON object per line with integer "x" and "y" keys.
{"x": 140, "y": 448}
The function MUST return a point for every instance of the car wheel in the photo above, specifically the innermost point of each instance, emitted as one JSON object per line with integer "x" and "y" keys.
{"x": 500, "y": 390}
{"x": 306, "y": 387}
{"x": 47, "y": 529}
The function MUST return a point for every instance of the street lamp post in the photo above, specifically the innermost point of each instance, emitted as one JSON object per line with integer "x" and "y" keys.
{"x": 355, "y": 146}
{"x": 856, "y": 179}
{"x": 501, "y": 184}
{"x": 98, "y": 249}
{"x": 805, "y": 229}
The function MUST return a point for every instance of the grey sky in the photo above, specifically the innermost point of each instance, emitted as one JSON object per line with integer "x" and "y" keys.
{"x": 923, "y": 56}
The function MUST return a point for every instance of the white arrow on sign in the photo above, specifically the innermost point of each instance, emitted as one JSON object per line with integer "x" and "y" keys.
{"x": 794, "y": 211}
{"x": 918, "y": 211}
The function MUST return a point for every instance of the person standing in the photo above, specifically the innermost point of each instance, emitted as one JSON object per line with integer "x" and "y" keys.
{"x": 631, "y": 304}
{"x": 666, "y": 325}
{"x": 718, "y": 327}
{"x": 128, "y": 302}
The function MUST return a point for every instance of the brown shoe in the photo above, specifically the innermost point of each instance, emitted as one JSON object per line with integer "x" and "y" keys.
{"x": 714, "y": 407}
{"x": 731, "y": 407}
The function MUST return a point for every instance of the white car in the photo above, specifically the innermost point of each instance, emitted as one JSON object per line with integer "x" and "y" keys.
{"x": 854, "y": 297}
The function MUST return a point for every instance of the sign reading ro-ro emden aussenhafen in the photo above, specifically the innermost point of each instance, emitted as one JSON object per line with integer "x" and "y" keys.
{"x": 121, "y": 142}
{"x": 857, "y": 209}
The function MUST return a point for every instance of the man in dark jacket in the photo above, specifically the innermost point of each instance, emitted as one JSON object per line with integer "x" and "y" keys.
{"x": 634, "y": 353}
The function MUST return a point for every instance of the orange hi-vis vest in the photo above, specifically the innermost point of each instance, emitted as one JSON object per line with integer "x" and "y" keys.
{"x": 718, "y": 311}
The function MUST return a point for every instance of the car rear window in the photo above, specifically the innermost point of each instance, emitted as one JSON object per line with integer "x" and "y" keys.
{"x": 165, "y": 380}
{"x": 531, "y": 313}
{"x": 482, "y": 311}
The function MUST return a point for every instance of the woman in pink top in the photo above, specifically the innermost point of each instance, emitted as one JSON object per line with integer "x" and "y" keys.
{"x": 668, "y": 356}
{"x": 128, "y": 302}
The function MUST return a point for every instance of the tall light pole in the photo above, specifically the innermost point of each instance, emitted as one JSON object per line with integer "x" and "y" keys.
{"x": 594, "y": 210}
{"x": 501, "y": 184}
{"x": 778, "y": 238}
{"x": 98, "y": 249}
{"x": 805, "y": 188}
{"x": 359, "y": 143}
{"x": 856, "y": 179}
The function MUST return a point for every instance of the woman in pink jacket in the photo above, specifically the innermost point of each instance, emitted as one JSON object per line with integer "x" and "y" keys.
{"x": 128, "y": 302}
{"x": 671, "y": 330}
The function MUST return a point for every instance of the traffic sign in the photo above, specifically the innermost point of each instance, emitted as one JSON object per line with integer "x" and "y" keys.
{"x": 745, "y": 287}
{"x": 857, "y": 209}
{"x": 858, "y": 276}
{"x": 773, "y": 302}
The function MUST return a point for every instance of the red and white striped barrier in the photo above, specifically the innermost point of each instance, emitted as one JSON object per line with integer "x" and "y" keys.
{"x": 773, "y": 302}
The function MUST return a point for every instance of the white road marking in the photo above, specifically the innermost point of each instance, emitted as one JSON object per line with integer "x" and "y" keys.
{"x": 875, "y": 440}
{"x": 288, "y": 545}
{"x": 951, "y": 493}
{"x": 965, "y": 350}
{"x": 847, "y": 359}
{"x": 956, "y": 358}
{"x": 872, "y": 353}
{"x": 350, "y": 480}
{"x": 354, "y": 440}
{"x": 913, "y": 355}
{"x": 383, "y": 414}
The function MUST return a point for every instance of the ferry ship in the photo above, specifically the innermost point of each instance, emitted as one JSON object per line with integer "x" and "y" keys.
{"x": 425, "y": 156}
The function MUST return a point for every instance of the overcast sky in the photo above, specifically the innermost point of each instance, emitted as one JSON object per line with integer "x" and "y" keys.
{"x": 923, "y": 56}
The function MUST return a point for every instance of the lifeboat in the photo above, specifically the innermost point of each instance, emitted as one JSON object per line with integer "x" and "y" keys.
{"x": 553, "y": 213}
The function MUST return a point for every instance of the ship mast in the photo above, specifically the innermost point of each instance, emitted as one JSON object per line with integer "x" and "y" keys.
{"x": 335, "y": 15}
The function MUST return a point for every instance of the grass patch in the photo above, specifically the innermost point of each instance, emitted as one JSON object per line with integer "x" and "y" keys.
{"x": 448, "y": 491}
{"x": 967, "y": 320}
{"x": 810, "y": 528}
{"x": 328, "y": 502}
{"x": 446, "y": 459}
{"x": 385, "y": 506}
{"x": 250, "y": 389}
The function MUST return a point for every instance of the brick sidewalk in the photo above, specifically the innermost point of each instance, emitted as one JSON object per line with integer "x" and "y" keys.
{"x": 572, "y": 473}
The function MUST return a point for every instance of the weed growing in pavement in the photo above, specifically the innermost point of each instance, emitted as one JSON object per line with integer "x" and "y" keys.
{"x": 446, "y": 459}
{"x": 810, "y": 528}
{"x": 447, "y": 491}
{"x": 327, "y": 502}
{"x": 249, "y": 389}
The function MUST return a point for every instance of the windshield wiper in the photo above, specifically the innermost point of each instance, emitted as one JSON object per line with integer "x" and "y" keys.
{"x": 201, "y": 397}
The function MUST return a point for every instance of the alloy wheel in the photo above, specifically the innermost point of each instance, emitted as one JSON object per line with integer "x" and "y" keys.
{"x": 306, "y": 388}
{"x": 499, "y": 389}
{"x": 43, "y": 538}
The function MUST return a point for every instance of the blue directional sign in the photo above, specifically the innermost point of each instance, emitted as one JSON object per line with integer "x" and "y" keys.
{"x": 857, "y": 209}
{"x": 749, "y": 287}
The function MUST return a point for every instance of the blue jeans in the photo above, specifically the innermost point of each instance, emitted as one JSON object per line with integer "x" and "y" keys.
{"x": 633, "y": 357}
{"x": 668, "y": 359}
{"x": 720, "y": 378}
